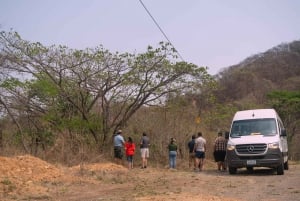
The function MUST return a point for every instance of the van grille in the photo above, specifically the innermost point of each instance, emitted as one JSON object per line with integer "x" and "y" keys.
{"x": 251, "y": 148}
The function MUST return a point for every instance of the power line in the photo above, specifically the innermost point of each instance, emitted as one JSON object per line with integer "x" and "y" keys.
{"x": 165, "y": 35}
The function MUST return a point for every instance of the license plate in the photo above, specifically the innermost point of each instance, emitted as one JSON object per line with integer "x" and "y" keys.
{"x": 251, "y": 162}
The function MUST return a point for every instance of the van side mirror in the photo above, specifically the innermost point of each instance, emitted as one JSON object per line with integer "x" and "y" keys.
{"x": 283, "y": 132}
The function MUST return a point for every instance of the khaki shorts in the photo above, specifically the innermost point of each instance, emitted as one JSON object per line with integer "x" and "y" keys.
{"x": 145, "y": 152}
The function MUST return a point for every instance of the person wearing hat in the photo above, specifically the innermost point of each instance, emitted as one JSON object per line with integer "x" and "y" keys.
{"x": 172, "y": 153}
{"x": 119, "y": 142}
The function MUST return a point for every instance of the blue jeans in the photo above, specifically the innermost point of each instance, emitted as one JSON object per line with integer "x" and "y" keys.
{"x": 172, "y": 159}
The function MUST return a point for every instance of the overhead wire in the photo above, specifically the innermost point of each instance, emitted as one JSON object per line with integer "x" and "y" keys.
{"x": 161, "y": 30}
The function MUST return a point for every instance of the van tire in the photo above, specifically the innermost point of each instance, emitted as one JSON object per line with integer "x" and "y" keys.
{"x": 232, "y": 170}
{"x": 286, "y": 165}
{"x": 280, "y": 169}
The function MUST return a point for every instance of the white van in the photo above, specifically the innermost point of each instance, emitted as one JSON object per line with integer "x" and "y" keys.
{"x": 257, "y": 139}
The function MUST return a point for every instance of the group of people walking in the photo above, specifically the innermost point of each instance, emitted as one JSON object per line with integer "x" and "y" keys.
{"x": 197, "y": 150}
{"x": 130, "y": 149}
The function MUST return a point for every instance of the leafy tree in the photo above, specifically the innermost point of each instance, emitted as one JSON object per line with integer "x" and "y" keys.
{"x": 287, "y": 104}
{"x": 93, "y": 88}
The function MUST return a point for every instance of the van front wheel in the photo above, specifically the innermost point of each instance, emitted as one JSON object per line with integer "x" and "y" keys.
{"x": 232, "y": 170}
{"x": 280, "y": 169}
{"x": 286, "y": 165}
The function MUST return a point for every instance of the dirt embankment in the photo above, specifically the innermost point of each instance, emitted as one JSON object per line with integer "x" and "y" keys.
{"x": 29, "y": 178}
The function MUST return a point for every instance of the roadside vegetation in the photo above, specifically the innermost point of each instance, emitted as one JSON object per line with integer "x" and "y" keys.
{"x": 63, "y": 105}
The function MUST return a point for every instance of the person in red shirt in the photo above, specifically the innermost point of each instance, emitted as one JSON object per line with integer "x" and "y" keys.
{"x": 129, "y": 150}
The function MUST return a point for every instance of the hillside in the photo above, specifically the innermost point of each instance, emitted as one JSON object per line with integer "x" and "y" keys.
{"x": 276, "y": 69}
{"x": 247, "y": 84}
{"x": 280, "y": 65}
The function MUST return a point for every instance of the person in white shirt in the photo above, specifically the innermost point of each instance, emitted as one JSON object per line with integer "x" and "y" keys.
{"x": 200, "y": 149}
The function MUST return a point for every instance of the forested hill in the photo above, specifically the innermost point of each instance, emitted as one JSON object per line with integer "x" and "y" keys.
{"x": 276, "y": 69}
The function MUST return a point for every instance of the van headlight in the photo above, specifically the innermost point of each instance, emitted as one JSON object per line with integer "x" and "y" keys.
{"x": 230, "y": 147}
{"x": 274, "y": 145}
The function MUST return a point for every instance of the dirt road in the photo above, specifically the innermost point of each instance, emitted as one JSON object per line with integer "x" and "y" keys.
{"x": 160, "y": 184}
{"x": 29, "y": 178}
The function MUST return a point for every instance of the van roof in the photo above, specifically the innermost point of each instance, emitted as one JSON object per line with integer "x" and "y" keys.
{"x": 255, "y": 114}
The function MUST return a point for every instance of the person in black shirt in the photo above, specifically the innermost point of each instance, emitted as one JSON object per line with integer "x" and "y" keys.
{"x": 191, "y": 145}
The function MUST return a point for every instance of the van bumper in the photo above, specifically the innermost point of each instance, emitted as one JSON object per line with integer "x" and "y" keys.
{"x": 272, "y": 158}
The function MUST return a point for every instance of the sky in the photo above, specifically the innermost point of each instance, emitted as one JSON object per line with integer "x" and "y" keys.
{"x": 211, "y": 33}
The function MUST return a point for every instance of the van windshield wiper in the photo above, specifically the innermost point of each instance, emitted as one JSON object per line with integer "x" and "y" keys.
{"x": 235, "y": 136}
{"x": 269, "y": 135}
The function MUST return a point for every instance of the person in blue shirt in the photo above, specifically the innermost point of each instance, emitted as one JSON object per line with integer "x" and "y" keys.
{"x": 119, "y": 143}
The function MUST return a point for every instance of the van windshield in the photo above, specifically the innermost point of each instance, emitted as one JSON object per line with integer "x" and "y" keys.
{"x": 264, "y": 127}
